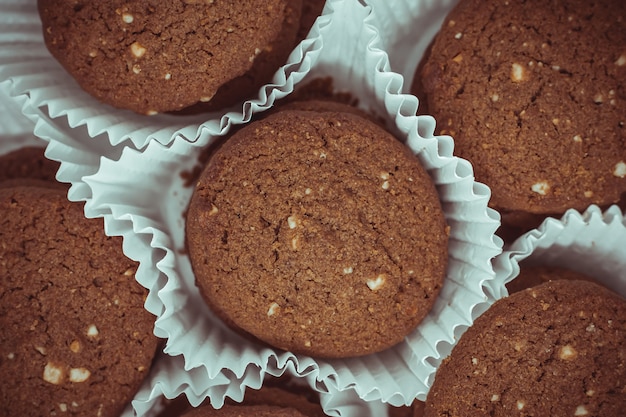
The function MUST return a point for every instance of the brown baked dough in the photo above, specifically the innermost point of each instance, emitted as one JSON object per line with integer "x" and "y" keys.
{"x": 533, "y": 94}
{"x": 319, "y": 233}
{"x": 75, "y": 338}
{"x": 152, "y": 57}
{"x": 557, "y": 349}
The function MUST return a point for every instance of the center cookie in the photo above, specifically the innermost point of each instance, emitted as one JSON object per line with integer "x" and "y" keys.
{"x": 318, "y": 233}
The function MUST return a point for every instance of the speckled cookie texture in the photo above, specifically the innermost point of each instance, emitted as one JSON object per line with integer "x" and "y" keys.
{"x": 249, "y": 410}
{"x": 533, "y": 94}
{"x": 557, "y": 349}
{"x": 152, "y": 57}
{"x": 74, "y": 336}
{"x": 318, "y": 233}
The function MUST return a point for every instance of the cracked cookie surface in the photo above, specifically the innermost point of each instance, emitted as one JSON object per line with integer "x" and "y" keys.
{"x": 74, "y": 335}
{"x": 319, "y": 233}
{"x": 153, "y": 57}
{"x": 557, "y": 349}
{"x": 533, "y": 94}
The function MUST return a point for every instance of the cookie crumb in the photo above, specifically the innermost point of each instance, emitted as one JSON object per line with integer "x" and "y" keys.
{"x": 621, "y": 61}
{"x": 495, "y": 398}
{"x": 127, "y": 18}
{"x": 520, "y": 405}
{"x": 347, "y": 270}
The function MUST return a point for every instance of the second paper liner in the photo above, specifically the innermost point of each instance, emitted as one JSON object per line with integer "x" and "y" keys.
{"x": 142, "y": 197}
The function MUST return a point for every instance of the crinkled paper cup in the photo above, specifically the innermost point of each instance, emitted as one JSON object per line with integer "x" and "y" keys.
{"x": 593, "y": 243}
{"x": 34, "y": 75}
{"x": 407, "y": 28}
{"x": 142, "y": 196}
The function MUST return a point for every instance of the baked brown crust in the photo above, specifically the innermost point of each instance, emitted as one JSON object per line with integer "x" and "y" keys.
{"x": 533, "y": 94}
{"x": 319, "y": 233}
{"x": 153, "y": 57}
{"x": 74, "y": 335}
{"x": 557, "y": 349}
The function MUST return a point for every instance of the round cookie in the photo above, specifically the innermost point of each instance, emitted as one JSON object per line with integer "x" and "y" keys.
{"x": 533, "y": 94}
{"x": 74, "y": 335}
{"x": 244, "y": 410}
{"x": 318, "y": 233}
{"x": 557, "y": 349}
{"x": 154, "y": 57}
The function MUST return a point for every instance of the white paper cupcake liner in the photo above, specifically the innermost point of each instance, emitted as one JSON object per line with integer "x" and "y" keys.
{"x": 142, "y": 196}
{"x": 593, "y": 243}
{"x": 31, "y": 72}
{"x": 407, "y": 28}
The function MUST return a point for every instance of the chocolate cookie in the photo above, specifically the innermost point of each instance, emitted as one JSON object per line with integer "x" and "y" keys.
{"x": 319, "y": 233}
{"x": 74, "y": 335}
{"x": 533, "y": 94}
{"x": 153, "y": 57}
{"x": 557, "y": 349}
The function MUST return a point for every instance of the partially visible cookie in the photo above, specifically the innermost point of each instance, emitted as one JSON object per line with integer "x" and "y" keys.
{"x": 74, "y": 335}
{"x": 532, "y": 92}
{"x": 317, "y": 233}
{"x": 557, "y": 349}
{"x": 153, "y": 57}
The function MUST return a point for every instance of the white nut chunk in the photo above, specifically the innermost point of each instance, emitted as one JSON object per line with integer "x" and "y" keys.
{"x": 54, "y": 373}
{"x": 541, "y": 187}
{"x": 567, "y": 353}
{"x": 79, "y": 374}
{"x": 274, "y": 307}
{"x": 518, "y": 73}
{"x": 92, "y": 331}
{"x": 620, "y": 169}
{"x": 137, "y": 50}
{"x": 376, "y": 283}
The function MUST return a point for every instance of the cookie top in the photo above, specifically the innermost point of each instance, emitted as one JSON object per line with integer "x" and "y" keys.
{"x": 74, "y": 335}
{"x": 244, "y": 410}
{"x": 319, "y": 233}
{"x": 533, "y": 94}
{"x": 556, "y": 349}
{"x": 156, "y": 57}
